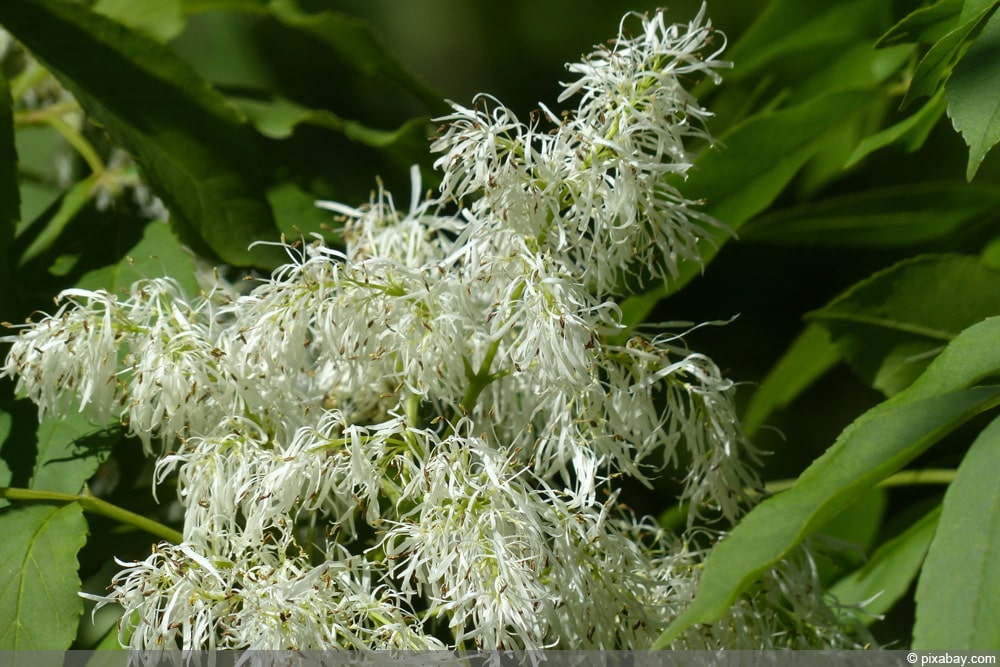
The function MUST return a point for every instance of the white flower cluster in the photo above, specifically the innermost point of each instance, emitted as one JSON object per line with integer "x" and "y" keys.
{"x": 415, "y": 442}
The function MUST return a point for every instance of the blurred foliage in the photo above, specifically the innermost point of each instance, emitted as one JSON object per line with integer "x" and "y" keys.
{"x": 853, "y": 164}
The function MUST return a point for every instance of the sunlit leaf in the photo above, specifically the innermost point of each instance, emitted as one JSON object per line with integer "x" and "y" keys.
{"x": 973, "y": 102}
{"x": 876, "y": 445}
{"x": 958, "y": 594}
{"x": 936, "y": 64}
{"x": 926, "y": 23}
{"x": 39, "y": 605}
{"x": 69, "y": 450}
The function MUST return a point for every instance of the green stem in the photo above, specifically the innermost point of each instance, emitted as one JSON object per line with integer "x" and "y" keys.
{"x": 76, "y": 140}
{"x": 96, "y": 506}
{"x": 479, "y": 380}
{"x": 53, "y": 116}
{"x": 25, "y": 81}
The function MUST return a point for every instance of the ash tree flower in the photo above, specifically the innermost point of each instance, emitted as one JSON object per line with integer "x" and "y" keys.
{"x": 417, "y": 440}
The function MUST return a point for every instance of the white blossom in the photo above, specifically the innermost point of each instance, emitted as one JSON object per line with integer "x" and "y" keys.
{"x": 421, "y": 435}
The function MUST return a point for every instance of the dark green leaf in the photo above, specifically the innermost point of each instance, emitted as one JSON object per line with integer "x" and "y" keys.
{"x": 10, "y": 200}
{"x": 810, "y": 356}
{"x": 357, "y": 46}
{"x": 161, "y": 19}
{"x": 45, "y": 231}
{"x": 10, "y": 197}
{"x": 973, "y": 99}
{"x": 911, "y": 132}
{"x": 789, "y": 26}
{"x": 277, "y": 118}
{"x": 39, "y": 605}
{"x": 159, "y": 253}
{"x": 936, "y": 64}
{"x": 890, "y": 571}
{"x": 194, "y": 149}
{"x": 958, "y": 595}
{"x": 245, "y": 6}
{"x": 924, "y": 24}
{"x": 757, "y": 159}
{"x": 882, "y": 217}
{"x": 855, "y": 65}
{"x": 890, "y": 326}
{"x": 876, "y": 445}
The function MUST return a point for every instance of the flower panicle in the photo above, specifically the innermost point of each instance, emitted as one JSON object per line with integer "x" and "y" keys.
{"x": 417, "y": 440}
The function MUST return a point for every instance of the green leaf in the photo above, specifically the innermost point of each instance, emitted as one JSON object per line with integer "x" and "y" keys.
{"x": 109, "y": 642}
{"x": 6, "y": 473}
{"x": 44, "y": 232}
{"x": 890, "y": 571}
{"x": 973, "y": 99}
{"x": 843, "y": 541}
{"x": 911, "y": 132}
{"x": 936, "y": 64}
{"x": 810, "y": 356}
{"x": 297, "y": 213}
{"x": 10, "y": 197}
{"x": 756, "y": 161}
{"x": 10, "y": 200}
{"x": 924, "y": 24}
{"x": 854, "y": 65}
{"x": 790, "y": 26}
{"x": 158, "y": 254}
{"x": 958, "y": 595}
{"x": 889, "y": 326}
{"x": 193, "y": 149}
{"x": 882, "y": 218}
{"x": 70, "y": 449}
{"x": 877, "y": 444}
{"x": 759, "y": 157}
{"x": 278, "y": 117}
{"x": 161, "y": 19}
{"x": 872, "y": 448}
{"x": 356, "y": 45}
{"x": 39, "y": 605}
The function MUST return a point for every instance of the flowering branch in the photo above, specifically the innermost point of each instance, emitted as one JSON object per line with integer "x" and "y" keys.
{"x": 441, "y": 398}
